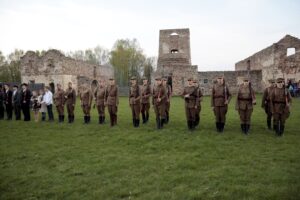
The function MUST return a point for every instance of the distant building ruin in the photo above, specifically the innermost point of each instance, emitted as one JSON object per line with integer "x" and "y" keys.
{"x": 54, "y": 67}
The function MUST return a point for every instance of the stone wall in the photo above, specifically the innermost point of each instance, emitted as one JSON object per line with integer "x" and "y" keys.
{"x": 55, "y": 67}
{"x": 274, "y": 61}
{"x": 232, "y": 78}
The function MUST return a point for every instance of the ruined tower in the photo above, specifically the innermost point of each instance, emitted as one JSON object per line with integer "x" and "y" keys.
{"x": 174, "y": 57}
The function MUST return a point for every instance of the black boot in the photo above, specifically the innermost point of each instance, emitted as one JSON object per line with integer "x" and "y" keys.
{"x": 269, "y": 124}
{"x": 103, "y": 119}
{"x": 143, "y": 118}
{"x": 166, "y": 121}
{"x": 243, "y": 128}
{"x": 73, "y": 117}
{"x": 133, "y": 122}
{"x": 197, "y": 120}
{"x": 217, "y": 126}
{"x": 59, "y": 118}
{"x": 137, "y": 123}
{"x": 281, "y": 130}
{"x": 89, "y": 119}
{"x": 62, "y": 118}
{"x": 84, "y": 119}
{"x": 158, "y": 126}
{"x": 193, "y": 125}
{"x": 247, "y": 128}
{"x": 147, "y": 117}
{"x": 162, "y": 121}
{"x": 188, "y": 124}
{"x": 222, "y": 127}
{"x": 99, "y": 120}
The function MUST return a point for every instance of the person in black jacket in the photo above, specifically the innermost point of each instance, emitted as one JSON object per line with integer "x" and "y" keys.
{"x": 25, "y": 101}
{"x": 8, "y": 101}
{"x": 1, "y": 102}
{"x": 16, "y": 100}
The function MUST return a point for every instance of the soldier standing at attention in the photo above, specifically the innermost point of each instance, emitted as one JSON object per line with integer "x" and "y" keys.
{"x": 59, "y": 101}
{"x": 280, "y": 105}
{"x": 112, "y": 101}
{"x": 220, "y": 98}
{"x": 100, "y": 95}
{"x": 159, "y": 102}
{"x": 244, "y": 104}
{"x": 25, "y": 104}
{"x": 1, "y": 103}
{"x": 86, "y": 98}
{"x": 190, "y": 96}
{"x": 265, "y": 104}
{"x": 168, "y": 99}
{"x": 16, "y": 98}
{"x": 134, "y": 101}
{"x": 145, "y": 100}
{"x": 70, "y": 98}
{"x": 8, "y": 101}
{"x": 198, "y": 102}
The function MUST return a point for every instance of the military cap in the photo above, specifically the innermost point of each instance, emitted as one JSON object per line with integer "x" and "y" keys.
{"x": 165, "y": 78}
{"x": 279, "y": 80}
{"x": 144, "y": 78}
{"x": 157, "y": 78}
{"x": 271, "y": 80}
{"x": 245, "y": 78}
{"x": 220, "y": 76}
{"x": 133, "y": 78}
{"x": 15, "y": 86}
{"x": 190, "y": 78}
{"x": 25, "y": 84}
{"x": 111, "y": 78}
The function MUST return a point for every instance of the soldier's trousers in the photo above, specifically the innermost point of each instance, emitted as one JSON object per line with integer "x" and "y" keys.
{"x": 9, "y": 109}
{"x": 197, "y": 114}
{"x": 1, "y": 111}
{"x": 168, "y": 107}
{"x": 112, "y": 110}
{"x": 60, "y": 110}
{"x": 135, "y": 110}
{"x": 145, "y": 108}
{"x": 86, "y": 110}
{"x": 280, "y": 118}
{"x": 220, "y": 113}
{"x": 70, "y": 109}
{"x": 268, "y": 112}
{"x": 17, "y": 110}
{"x": 245, "y": 116}
{"x": 101, "y": 110}
{"x": 190, "y": 113}
{"x": 160, "y": 111}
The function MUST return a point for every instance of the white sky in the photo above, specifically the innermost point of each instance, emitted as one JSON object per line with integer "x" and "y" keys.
{"x": 222, "y": 32}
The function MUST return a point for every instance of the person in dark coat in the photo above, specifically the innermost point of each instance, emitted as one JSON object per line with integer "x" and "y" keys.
{"x": 8, "y": 101}
{"x": 1, "y": 102}
{"x": 16, "y": 101}
{"x": 25, "y": 101}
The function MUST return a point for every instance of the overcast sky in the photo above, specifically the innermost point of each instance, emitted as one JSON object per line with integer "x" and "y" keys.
{"x": 222, "y": 32}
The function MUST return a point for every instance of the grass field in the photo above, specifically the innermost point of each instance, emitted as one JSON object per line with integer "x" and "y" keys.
{"x": 62, "y": 161}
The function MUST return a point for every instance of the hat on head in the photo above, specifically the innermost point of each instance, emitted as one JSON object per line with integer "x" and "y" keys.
{"x": 190, "y": 78}
{"x": 144, "y": 78}
{"x": 245, "y": 78}
{"x": 279, "y": 80}
{"x": 157, "y": 78}
{"x": 133, "y": 78}
{"x": 25, "y": 84}
{"x": 271, "y": 80}
{"x": 111, "y": 78}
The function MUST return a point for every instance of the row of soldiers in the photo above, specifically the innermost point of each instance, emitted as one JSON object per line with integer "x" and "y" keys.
{"x": 276, "y": 102}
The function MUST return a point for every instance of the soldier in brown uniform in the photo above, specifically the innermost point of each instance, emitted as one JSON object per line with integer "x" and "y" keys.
{"x": 220, "y": 98}
{"x": 265, "y": 104}
{"x": 59, "y": 101}
{"x": 244, "y": 104}
{"x": 159, "y": 96}
{"x": 134, "y": 101}
{"x": 190, "y": 96}
{"x": 168, "y": 100}
{"x": 70, "y": 98}
{"x": 280, "y": 105}
{"x": 198, "y": 102}
{"x": 145, "y": 100}
{"x": 112, "y": 101}
{"x": 100, "y": 95}
{"x": 86, "y": 98}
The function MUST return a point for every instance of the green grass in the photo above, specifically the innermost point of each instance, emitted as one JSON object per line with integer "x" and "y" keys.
{"x": 62, "y": 161}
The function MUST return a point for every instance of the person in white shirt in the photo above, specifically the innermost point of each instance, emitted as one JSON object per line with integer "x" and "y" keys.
{"x": 48, "y": 100}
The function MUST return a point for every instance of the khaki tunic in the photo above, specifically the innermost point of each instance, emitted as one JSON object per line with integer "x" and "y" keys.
{"x": 220, "y": 94}
{"x": 86, "y": 98}
{"x": 70, "y": 98}
{"x": 266, "y": 100}
{"x": 59, "y": 101}
{"x": 190, "y": 102}
{"x": 112, "y": 101}
{"x": 244, "y": 103}
{"x": 145, "y": 98}
{"x": 198, "y": 102}
{"x": 100, "y": 95}
{"x": 134, "y": 101}
{"x": 280, "y": 99}
{"x": 159, "y": 91}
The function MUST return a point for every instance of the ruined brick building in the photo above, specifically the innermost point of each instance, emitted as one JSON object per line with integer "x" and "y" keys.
{"x": 174, "y": 60}
{"x": 54, "y": 67}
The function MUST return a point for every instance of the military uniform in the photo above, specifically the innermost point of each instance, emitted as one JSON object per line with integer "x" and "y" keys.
{"x": 16, "y": 98}
{"x": 244, "y": 104}
{"x": 59, "y": 101}
{"x": 86, "y": 98}
{"x": 112, "y": 101}
{"x": 135, "y": 103}
{"x": 198, "y": 102}
{"x": 159, "y": 96}
{"x": 1, "y": 103}
{"x": 70, "y": 98}
{"x": 220, "y": 98}
{"x": 190, "y": 97}
{"x": 168, "y": 99}
{"x": 100, "y": 95}
{"x": 8, "y": 103}
{"x": 145, "y": 101}
{"x": 266, "y": 105}
{"x": 280, "y": 106}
